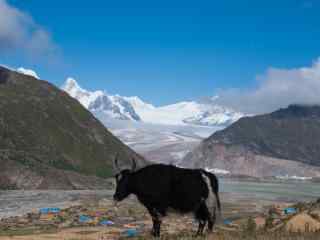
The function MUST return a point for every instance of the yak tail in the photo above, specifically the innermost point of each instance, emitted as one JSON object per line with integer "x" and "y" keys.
{"x": 215, "y": 189}
{"x": 218, "y": 204}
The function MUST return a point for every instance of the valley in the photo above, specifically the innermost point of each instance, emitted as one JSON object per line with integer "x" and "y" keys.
{"x": 156, "y": 142}
{"x": 246, "y": 194}
{"x": 259, "y": 194}
{"x": 167, "y": 120}
{"x": 161, "y": 134}
{"x": 20, "y": 217}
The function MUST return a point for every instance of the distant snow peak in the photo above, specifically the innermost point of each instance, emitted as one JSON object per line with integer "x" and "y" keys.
{"x": 197, "y": 113}
{"x": 190, "y": 113}
{"x": 70, "y": 84}
{"x": 100, "y": 102}
{"x": 85, "y": 97}
{"x": 138, "y": 103}
{"x": 211, "y": 114}
{"x": 28, "y": 72}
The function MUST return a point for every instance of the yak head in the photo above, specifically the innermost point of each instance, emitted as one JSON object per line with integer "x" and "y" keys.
{"x": 122, "y": 180}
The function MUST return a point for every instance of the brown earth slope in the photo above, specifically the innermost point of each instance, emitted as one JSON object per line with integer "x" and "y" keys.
{"x": 285, "y": 142}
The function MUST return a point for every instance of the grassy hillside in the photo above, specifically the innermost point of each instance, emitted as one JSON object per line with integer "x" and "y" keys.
{"x": 42, "y": 128}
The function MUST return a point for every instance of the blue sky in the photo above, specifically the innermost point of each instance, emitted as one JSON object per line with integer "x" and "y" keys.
{"x": 168, "y": 51}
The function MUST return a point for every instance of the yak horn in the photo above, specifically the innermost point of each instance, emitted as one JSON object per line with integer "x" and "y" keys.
{"x": 134, "y": 165}
{"x": 116, "y": 164}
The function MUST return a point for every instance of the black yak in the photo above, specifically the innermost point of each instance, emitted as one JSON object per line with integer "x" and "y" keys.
{"x": 162, "y": 187}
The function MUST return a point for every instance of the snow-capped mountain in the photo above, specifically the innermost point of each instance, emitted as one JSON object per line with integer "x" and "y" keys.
{"x": 100, "y": 102}
{"x": 203, "y": 113}
{"x": 189, "y": 113}
{"x": 28, "y": 72}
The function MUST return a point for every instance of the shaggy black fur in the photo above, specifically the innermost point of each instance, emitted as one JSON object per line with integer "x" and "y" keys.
{"x": 160, "y": 187}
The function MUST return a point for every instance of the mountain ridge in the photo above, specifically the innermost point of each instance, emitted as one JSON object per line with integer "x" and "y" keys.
{"x": 135, "y": 109}
{"x": 49, "y": 140}
{"x": 284, "y": 142}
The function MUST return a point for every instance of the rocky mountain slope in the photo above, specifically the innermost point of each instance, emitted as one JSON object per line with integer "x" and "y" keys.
{"x": 196, "y": 113}
{"x": 283, "y": 143}
{"x": 49, "y": 140}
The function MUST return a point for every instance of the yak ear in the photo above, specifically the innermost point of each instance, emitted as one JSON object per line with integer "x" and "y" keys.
{"x": 116, "y": 164}
{"x": 134, "y": 165}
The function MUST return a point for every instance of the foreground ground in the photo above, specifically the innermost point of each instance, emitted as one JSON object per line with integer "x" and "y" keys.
{"x": 100, "y": 234}
{"x": 99, "y": 219}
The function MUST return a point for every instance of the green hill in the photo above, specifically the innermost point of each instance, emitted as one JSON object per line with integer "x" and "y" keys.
{"x": 48, "y": 140}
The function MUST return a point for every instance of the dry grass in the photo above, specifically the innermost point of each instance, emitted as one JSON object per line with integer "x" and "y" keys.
{"x": 238, "y": 236}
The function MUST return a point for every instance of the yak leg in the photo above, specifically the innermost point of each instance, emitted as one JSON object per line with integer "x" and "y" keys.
{"x": 156, "y": 219}
{"x": 212, "y": 220}
{"x": 202, "y": 224}
{"x": 156, "y": 227}
{"x": 202, "y": 216}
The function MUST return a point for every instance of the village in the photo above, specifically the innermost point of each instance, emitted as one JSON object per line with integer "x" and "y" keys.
{"x": 102, "y": 220}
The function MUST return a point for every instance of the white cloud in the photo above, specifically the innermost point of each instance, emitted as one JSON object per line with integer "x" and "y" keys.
{"x": 28, "y": 72}
{"x": 276, "y": 88}
{"x": 19, "y": 32}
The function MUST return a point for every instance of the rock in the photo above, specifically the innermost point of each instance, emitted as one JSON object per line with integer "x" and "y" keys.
{"x": 302, "y": 223}
{"x": 315, "y": 214}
